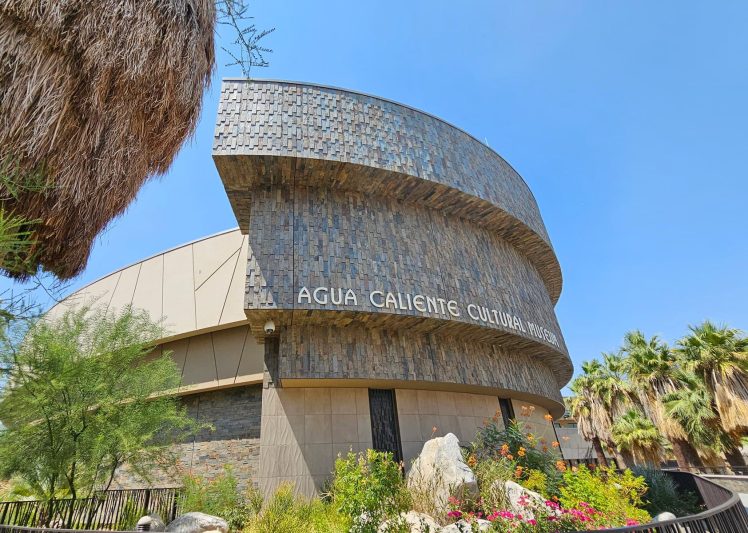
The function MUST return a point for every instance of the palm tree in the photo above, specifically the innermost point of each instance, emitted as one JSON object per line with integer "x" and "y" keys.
{"x": 718, "y": 355}
{"x": 602, "y": 395}
{"x": 582, "y": 408}
{"x": 638, "y": 438}
{"x": 651, "y": 367}
{"x": 691, "y": 406}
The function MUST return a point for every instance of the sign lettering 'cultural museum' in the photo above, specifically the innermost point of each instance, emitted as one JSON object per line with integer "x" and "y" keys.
{"x": 337, "y": 296}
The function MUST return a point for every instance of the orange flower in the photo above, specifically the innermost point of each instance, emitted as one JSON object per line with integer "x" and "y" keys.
{"x": 560, "y": 466}
{"x": 472, "y": 461}
{"x": 545, "y": 448}
{"x": 521, "y": 451}
{"x": 518, "y": 472}
{"x": 555, "y": 444}
{"x": 510, "y": 457}
{"x": 549, "y": 417}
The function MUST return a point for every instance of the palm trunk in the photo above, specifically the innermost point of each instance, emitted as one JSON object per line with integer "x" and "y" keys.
{"x": 598, "y": 447}
{"x": 621, "y": 459}
{"x": 686, "y": 455}
{"x": 625, "y": 459}
{"x": 735, "y": 457}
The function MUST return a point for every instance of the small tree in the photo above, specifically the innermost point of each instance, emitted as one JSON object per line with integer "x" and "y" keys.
{"x": 84, "y": 395}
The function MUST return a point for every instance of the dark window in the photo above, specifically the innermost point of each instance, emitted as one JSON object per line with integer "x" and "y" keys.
{"x": 385, "y": 430}
{"x": 507, "y": 411}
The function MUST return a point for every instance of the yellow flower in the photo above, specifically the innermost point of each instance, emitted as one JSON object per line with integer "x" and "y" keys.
{"x": 521, "y": 451}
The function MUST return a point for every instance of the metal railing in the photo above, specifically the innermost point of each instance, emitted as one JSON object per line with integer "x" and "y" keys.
{"x": 105, "y": 511}
{"x": 724, "y": 512}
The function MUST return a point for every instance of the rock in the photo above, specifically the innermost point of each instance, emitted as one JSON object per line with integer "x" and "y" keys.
{"x": 532, "y": 500}
{"x": 150, "y": 522}
{"x": 417, "y": 522}
{"x": 664, "y": 516}
{"x": 463, "y": 527}
{"x": 197, "y": 523}
{"x": 439, "y": 472}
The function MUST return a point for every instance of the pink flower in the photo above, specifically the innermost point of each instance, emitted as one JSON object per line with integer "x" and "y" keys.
{"x": 632, "y": 522}
{"x": 454, "y": 514}
{"x": 532, "y": 522}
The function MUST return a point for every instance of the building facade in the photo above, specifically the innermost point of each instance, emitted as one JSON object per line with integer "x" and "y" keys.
{"x": 391, "y": 279}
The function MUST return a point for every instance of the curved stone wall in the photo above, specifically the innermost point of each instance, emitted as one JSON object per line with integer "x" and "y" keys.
{"x": 321, "y": 136}
{"x": 365, "y": 214}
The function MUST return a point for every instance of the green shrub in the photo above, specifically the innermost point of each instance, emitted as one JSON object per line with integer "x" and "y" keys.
{"x": 663, "y": 494}
{"x": 491, "y": 475}
{"x": 616, "y": 496}
{"x": 369, "y": 488}
{"x": 284, "y": 512}
{"x": 220, "y": 497}
{"x": 493, "y": 441}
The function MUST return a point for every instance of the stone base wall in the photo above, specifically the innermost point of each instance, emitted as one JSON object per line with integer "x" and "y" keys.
{"x": 235, "y": 415}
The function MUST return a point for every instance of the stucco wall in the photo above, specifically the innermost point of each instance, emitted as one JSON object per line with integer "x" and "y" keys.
{"x": 424, "y": 414}
{"x": 304, "y": 430}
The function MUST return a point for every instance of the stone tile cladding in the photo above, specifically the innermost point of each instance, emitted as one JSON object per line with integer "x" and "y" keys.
{"x": 359, "y": 352}
{"x": 236, "y": 415}
{"x": 271, "y": 132}
{"x": 323, "y": 238}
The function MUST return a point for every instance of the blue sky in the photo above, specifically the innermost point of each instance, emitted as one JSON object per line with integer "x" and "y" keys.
{"x": 628, "y": 120}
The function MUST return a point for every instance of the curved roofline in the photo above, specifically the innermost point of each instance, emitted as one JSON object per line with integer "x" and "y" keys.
{"x": 177, "y": 247}
{"x": 406, "y": 106}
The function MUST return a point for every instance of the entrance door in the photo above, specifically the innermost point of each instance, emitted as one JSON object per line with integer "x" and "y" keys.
{"x": 385, "y": 431}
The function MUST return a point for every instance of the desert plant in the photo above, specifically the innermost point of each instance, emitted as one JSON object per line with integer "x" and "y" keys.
{"x": 221, "y": 496}
{"x": 523, "y": 452}
{"x": 368, "y": 485}
{"x": 84, "y": 397}
{"x": 617, "y": 496}
{"x": 285, "y": 512}
{"x": 491, "y": 475}
{"x": 663, "y": 494}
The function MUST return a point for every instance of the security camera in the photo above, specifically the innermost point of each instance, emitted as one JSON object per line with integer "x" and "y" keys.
{"x": 269, "y": 327}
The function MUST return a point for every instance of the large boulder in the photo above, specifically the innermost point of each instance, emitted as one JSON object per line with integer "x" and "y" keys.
{"x": 461, "y": 526}
{"x": 150, "y": 522}
{"x": 440, "y": 472}
{"x": 197, "y": 523}
{"x": 521, "y": 500}
{"x": 417, "y": 523}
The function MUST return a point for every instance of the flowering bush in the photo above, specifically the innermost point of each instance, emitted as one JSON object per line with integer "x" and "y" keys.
{"x": 368, "y": 487}
{"x": 577, "y": 498}
{"x": 549, "y": 517}
{"x": 616, "y": 495}
{"x": 499, "y": 454}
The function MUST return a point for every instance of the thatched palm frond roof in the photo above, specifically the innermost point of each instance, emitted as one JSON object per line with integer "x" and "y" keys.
{"x": 97, "y": 97}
